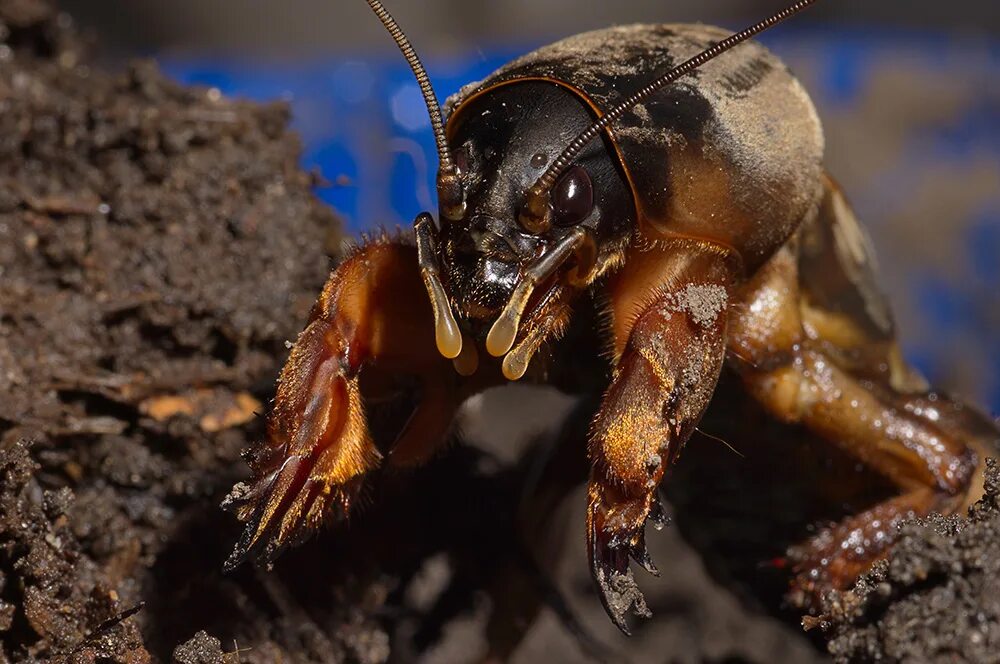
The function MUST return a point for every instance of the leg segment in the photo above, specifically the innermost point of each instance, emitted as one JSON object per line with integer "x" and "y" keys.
{"x": 373, "y": 316}
{"x": 663, "y": 379}
{"x": 815, "y": 344}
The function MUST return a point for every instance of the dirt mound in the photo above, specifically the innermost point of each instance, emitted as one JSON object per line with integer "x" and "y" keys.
{"x": 158, "y": 245}
{"x": 936, "y": 599}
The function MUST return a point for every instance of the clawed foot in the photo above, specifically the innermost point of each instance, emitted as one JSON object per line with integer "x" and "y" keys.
{"x": 310, "y": 465}
{"x": 835, "y": 557}
{"x": 812, "y": 574}
{"x": 281, "y": 508}
{"x": 616, "y": 534}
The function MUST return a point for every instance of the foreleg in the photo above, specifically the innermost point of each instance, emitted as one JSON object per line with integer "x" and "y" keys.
{"x": 372, "y": 317}
{"x": 663, "y": 379}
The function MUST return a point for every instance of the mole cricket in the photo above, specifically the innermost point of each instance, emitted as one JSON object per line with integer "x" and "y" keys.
{"x": 621, "y": 214}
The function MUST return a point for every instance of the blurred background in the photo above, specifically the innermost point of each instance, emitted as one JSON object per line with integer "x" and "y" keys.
{"x": 297, "y": 27}
{"x": 909, "y": 93}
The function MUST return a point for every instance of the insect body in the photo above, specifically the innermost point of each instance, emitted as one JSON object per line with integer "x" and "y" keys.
{"x": 617, "y": 237}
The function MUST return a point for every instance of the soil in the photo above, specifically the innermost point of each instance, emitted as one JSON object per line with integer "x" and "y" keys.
{"x": 158, "y": 246}
{"x": 936, "y": 600}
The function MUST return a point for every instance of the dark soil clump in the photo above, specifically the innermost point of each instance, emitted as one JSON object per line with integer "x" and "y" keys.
{"x": 158, "y": 245}
{"x": 936, "y": 599}
{"x": 202, "y": 649}
{"x": 57, "y": 599}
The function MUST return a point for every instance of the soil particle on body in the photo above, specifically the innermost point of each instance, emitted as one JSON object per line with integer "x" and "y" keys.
{"x": 702, "y": 302}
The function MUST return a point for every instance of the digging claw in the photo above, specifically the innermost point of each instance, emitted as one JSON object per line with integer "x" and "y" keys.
{"x": 619, "y": 592}
{"x": 641, "y": 556}
{"x": 281, "y": 509}
{"x": 611, "y": 549}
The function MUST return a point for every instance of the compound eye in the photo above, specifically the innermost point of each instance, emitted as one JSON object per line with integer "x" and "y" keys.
{"x": 573, "y": 197}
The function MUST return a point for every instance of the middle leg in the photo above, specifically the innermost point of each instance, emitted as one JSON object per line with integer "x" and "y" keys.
{"x": 797, "y": 362}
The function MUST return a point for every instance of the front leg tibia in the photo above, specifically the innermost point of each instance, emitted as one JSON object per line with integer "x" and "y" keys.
{"x": 662, "y": 384}
{"x": 311, "y": 464}
{"x": 316, "y": 450}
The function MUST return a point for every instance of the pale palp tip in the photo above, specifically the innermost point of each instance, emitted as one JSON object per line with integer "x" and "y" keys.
{"x": 467, "y": 361}
{"x": 501, "y": 336}
{"x": 448, "y": 337}
{"x": 514, "y": 366}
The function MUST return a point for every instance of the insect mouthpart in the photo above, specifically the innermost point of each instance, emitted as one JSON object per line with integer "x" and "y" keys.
{"x": 501, "y": 336}
{"x": 489, "y": 238}
{"x": 492, "y": 276}
{"x": 447, "y": 334}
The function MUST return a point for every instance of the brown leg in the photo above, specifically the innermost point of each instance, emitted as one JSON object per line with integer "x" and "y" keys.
{"x": 816, "y": 346}
{"x": 667, "y": 367}
{"x": 932, "y": 467}
{"x": 428, "y": 426}
{"x": 978, "y": 431}
{"x": 372, "y": 316}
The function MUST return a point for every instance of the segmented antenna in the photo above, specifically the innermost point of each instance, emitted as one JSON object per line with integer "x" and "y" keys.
{"x": 430, "y": 99}
{"x": 537, "y": 204}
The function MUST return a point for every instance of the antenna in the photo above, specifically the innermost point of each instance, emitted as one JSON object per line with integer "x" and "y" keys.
{"x": 449, "y": 183}
{"x": 536, "y": 213}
